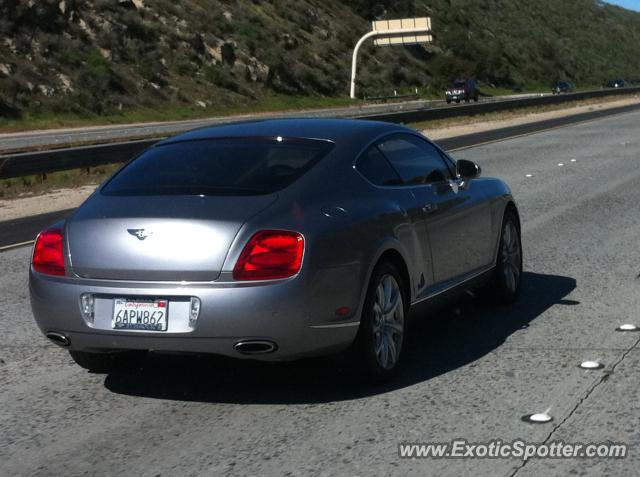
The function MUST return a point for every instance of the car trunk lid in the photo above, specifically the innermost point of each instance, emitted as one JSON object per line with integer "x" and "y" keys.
{"x": 158, "y": 238}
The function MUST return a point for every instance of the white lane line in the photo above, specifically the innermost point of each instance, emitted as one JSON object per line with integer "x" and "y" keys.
{"x": 16, "y": 245}
{"x": 543, "y": 130}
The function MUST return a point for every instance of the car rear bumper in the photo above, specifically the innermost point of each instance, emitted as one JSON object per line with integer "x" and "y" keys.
{"x": 278, "y": 312}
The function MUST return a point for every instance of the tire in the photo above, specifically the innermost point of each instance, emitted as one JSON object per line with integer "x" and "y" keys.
{"x": 448, "y": 101}
{"x": 475, "y": 98}
{"x": 378, "y": 346}
{"x": 457, "y": 101}
{"x": 507, "y": 277}
{"x": 106, "y": 362}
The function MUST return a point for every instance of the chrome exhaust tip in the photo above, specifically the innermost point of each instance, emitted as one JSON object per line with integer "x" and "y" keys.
{"x": 58, "y": 338}
{"x": 255, "y": 347}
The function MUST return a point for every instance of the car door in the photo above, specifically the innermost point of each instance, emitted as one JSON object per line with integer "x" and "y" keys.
{"x": 457, "y": 216}
{"x": 411, "y": 231}
{"x": 462, "y": 216}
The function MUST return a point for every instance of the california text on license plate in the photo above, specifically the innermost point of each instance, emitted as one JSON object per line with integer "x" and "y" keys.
{"x": 134, "y": 314}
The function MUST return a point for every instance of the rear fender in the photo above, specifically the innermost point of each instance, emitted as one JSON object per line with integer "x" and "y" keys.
{"x": 384, "y": 246}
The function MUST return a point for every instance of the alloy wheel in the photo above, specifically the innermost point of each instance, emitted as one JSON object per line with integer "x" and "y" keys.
{"x": 511, "y": 256}
{"x": 388, "y": 322}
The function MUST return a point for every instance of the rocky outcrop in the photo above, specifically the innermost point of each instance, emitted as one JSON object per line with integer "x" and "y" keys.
{"x": 86, "y": 56}
{"x": 228, "y": 52}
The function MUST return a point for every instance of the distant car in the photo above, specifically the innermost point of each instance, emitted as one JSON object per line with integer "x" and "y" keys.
{"x": 562, "y": 87}
{"x": 273, "y": 240}
{"x": 617, "y": 83}
{"x": 462, "y": 90}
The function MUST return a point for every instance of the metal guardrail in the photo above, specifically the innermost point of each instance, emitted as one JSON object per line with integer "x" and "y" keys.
{"x": 42, "y": 162}
{"x": 407, "y": 96}
{"x": 494, "y": 106}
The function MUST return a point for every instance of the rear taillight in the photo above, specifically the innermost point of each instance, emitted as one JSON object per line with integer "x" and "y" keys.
{"x": 48, "y": 253}
{"x": 269, "y": 255}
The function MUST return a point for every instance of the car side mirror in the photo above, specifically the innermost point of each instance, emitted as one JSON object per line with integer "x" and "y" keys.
{"x": 467, "y": 169}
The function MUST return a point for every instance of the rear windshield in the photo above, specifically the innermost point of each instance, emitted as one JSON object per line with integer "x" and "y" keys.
{"x": 229, "y": 166}
{"x": 458, "y": 84}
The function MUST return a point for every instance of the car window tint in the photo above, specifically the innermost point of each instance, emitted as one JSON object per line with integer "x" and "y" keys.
{"x": 374, "y": 166}
{"x": 449, "y": 162}
{"x": 417, "y": 161}
{"x": 235, "y": 166}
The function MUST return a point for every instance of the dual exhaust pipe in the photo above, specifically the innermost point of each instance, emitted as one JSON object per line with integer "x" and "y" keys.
{"x": 255, "y": 347}
{"x": 58, "y": 338}
{"x": 243, "y": 347}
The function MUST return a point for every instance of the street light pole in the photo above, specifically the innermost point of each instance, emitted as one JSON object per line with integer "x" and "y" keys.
{"x": 374, "y": 33}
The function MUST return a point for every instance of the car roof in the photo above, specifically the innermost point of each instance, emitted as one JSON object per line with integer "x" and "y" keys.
{"x": 335, "y": 130}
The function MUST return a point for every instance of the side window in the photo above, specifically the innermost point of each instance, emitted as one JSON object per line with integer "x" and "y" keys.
{"x": 374, "y": 166}
{"x": 417, "y": 161}
{"x": 450, "y": 163}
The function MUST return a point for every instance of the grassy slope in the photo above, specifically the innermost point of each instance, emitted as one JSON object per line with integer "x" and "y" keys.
{"x": 111, "y": 62}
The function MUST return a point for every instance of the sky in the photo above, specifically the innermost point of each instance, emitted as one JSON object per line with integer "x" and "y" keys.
{"x": 630, "y": 4}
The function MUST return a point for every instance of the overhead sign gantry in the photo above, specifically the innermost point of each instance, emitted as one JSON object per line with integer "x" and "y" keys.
{"x": 404, "y": 31}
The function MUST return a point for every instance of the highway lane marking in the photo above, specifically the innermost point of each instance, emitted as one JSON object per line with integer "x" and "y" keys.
{"x": 592, "y": 365}
{"x": 177, "y": 126}
{"x": 6, "y": 248}
{"x": 553, "y": 128}
{"x": 539, "y": 417}
{"x": 479, "y": 144}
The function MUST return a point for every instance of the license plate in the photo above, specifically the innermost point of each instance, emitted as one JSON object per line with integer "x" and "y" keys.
{"x": 134, "y": 314}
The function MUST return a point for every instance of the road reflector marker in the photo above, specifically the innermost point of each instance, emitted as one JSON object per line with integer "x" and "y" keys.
{"x": 574, "y": 160}
{"x": 591, "y": 365}
{"x": 528, "y": 175}
{"x": 627, "y": 327}
{"x": 560, "y": 164}
{"x": 538, "y": 418}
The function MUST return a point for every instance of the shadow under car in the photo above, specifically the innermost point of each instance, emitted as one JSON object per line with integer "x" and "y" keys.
{"x": 456, "y": 334}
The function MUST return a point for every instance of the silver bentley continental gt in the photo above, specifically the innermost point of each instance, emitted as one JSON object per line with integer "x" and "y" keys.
{"x": 273, "y": 240}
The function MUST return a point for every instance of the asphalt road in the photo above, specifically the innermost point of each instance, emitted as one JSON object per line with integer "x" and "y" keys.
{"x": 56, "y": 138}
{"x": 22, "y": 230}
{"x": 472, "y": 370}
{"x": 98, "y": 134}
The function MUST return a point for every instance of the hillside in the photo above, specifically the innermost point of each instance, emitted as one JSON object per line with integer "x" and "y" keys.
{"x": 105, "y": 56}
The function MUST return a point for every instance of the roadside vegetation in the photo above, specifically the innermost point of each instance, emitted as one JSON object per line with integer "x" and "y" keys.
{"x": 43, "y": 183}
{"x": 74, "y": 62}
{"x": 175, "y": 112}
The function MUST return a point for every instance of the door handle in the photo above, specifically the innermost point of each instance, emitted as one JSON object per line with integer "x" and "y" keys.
{"x": 429, "y": 208}
{"x": 457, "y": 184}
